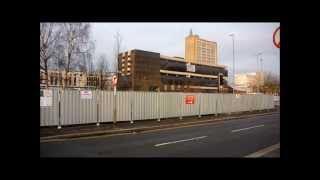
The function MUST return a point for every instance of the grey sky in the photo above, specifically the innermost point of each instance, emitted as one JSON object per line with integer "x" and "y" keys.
{"x": 169, "y": 38}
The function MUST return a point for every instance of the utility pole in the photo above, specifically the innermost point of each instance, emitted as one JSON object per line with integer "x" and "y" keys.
{"x": 219, "y": 83}
{"x": 232, "y": 35}
{"x": 261, "y": 72}
{"x": 258, "y": 83}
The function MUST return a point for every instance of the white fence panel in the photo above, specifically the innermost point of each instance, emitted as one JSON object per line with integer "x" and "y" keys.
{"x": 170, "y": 105}
{"x": 243, "y": 103}
{"x": 269, "y": 102}
{"x": 75, "y": 110}
{"x": 219, "y": 103}
{"x": 235, "y": 103}
{"x": 145, "y": 105}
{"x": 255, "y": 102}
{"x": 260, "y": 101}
{"x": 272, "y": 103}
{"x": 249, "y": 102}
{"x": 209, "y": 103}
{"x": 123, "y": 106}
{"x": 227, "y": 103}
{"x": 106, "y": 105}
{"x": 49, "y": 116}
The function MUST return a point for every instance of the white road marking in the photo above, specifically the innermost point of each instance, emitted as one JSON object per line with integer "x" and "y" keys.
{"x": 172, "y": 142}
{"x": 264, "y": 151}
{"x": 237, "y": 130}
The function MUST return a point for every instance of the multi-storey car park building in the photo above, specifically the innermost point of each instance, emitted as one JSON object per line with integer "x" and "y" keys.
{"x": 149, "y": 71}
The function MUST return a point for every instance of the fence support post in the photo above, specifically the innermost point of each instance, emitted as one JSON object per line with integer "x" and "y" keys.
{"x": 97, "y": 99}
{"x": 199, "y": 116}
{"x": 59, "y": 97}
{"x": 250, "y": 103}
{"x": 115, "y": 105}
{"x": 216, "y": 105}
{"x": 131, "y": 107}
{"x": 222, "y": 108}
{"x": 159, "y": 104}
{"x": 181, "y": 106}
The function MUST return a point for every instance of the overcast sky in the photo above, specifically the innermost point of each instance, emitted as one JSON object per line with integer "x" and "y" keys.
{"x": 169, "y": 39}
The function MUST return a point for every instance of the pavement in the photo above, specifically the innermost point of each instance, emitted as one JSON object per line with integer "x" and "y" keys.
{"x": 235, "y": 138}
{"x": 75, "y": 131}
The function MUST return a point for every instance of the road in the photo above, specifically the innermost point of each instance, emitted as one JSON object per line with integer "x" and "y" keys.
{"x": 237, "y": 138}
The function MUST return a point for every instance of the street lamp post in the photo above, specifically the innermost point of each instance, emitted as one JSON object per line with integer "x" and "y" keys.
{"x": 234, "y": 84}
{"x": 260, "y": 53}
{"x": 261, "y": 65}
{"x": 261, "y": 71}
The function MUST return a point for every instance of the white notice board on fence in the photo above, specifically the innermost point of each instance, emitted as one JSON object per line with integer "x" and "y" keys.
{"x": 86, "y": 94}
{"x": 45, "y": 98}
{"x": 45, "y": 101}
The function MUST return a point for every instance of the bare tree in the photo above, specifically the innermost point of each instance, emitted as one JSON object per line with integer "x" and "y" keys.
{"x": 271, "y": 83}
{"x": 85, "y": 62}
{"x": 91, "y": 66}
{"x": 49, "y": 36}
{"x": 102, "y": 65}
{"x": 82, "y": 64}
{"x": 102, "y": 68}
{"x": 117, "y": 50}
{"x": 75, "y": 44}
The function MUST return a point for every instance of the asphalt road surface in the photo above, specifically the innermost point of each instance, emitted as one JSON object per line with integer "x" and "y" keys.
{"x": 236, "y": 138}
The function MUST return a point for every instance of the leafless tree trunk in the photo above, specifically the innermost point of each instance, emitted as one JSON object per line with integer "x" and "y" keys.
{"x": 85, "y": 63}
{"x": 117, "y": 50}
{"x": 49, "y": 35}
{"x": 102, "y": 68}
{"x": 91, "y": 66}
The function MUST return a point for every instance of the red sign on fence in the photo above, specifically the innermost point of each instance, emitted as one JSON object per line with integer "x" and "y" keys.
{"x": 114, "y": 80}
{"x": 190, "y": 99}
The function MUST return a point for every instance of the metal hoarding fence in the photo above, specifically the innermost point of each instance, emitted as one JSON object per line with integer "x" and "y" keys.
{"x": 97, "y": 106}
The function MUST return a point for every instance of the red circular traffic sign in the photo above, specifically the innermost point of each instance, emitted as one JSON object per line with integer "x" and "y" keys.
{"x": 276, "y": 37}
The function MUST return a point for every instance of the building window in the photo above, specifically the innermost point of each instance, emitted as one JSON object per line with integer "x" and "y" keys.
{"x": 172, "y": 87}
